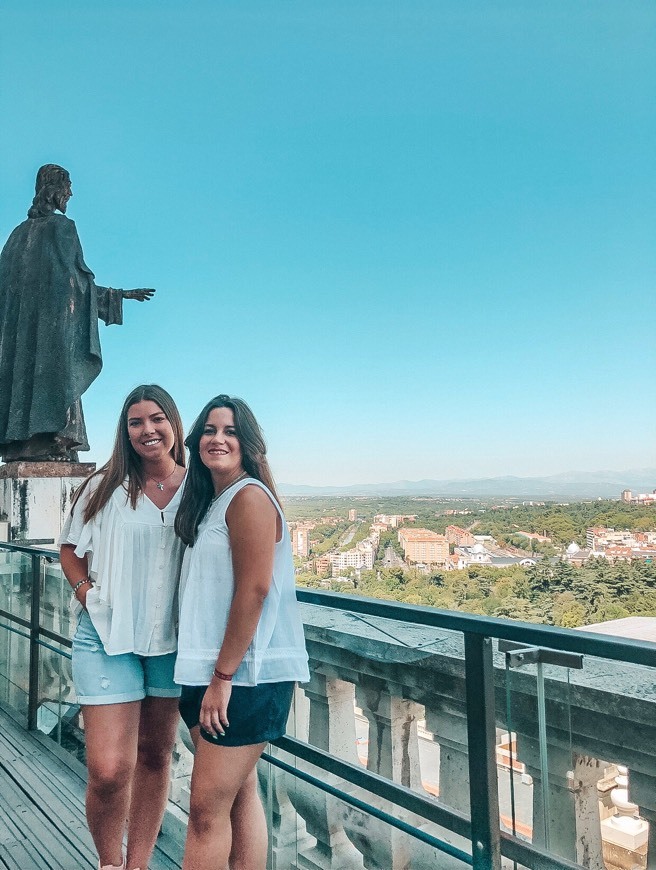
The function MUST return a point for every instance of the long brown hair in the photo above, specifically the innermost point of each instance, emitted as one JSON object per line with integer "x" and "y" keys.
{"x": 125, "y": 461}
{"x": 199, "y": 489}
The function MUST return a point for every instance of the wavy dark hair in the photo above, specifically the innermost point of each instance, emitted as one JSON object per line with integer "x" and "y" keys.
{"x": 198, "y": 488}
{"x": 50, "y": 180}
{"x": 125, "y": 461}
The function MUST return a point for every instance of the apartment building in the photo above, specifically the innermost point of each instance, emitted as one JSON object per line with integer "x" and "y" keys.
{"x": 421, "y": 546}
{"x": 362, "y": 555}
{"x": 300, "y": 537}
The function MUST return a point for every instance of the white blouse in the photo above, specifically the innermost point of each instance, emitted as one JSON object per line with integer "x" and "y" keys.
{"x": 277, "y": 652}
{"x": 134, "y": 560}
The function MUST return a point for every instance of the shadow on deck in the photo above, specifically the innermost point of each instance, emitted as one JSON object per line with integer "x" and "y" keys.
{"x": 42, "y": 824}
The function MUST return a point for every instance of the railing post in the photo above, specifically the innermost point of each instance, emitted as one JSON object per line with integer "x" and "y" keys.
{"x": 33, "y": 686}
{"x": 481, "y": 734}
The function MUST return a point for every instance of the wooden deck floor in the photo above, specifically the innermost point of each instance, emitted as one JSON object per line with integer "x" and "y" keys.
{"x": 42, "y": 824}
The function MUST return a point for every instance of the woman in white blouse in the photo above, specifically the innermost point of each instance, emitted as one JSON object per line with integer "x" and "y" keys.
{"x": 241, "y": 643}
{"x": 122, "y": 558}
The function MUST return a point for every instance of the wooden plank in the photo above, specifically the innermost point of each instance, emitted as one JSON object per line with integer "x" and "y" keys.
{"x": 42, "y": 818}
{"x": 19, "y": 856}
{"x": 168, "y": 853}
{"x": 66, "y": 821}
{"x": 40, "y": 835}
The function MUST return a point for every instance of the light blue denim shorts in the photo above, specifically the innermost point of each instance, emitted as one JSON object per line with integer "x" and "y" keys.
{"x": 102, "y": 679}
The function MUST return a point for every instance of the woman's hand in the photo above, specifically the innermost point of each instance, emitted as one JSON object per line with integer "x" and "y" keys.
{"x": 82, "y": 593}
{"x": 214, "y": 709}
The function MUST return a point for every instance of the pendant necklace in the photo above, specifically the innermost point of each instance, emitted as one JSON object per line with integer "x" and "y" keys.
{"x": 160, "y": 483}
{"x": 239, "y": 477}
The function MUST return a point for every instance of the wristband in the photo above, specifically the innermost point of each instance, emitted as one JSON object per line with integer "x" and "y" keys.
{"x": 81, "y": 583}
{"x": 220, "y": 676}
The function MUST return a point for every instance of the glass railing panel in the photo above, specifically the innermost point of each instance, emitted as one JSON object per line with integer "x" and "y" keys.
{"x": 54, "y": 607}
{"x": 578, "y": 740}
{"x": 313, "y": 825}
{"x": 14, "y": 668}
{"x": 286, "y": 827}
{"x": 16, "y": 583}
{"x": 58, "y": 713}
{"x": 389, "y": 696}
{"x": 15, "y": 599}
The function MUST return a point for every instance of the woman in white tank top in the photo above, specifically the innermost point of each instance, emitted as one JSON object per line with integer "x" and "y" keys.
{"x": 241, "y": 644}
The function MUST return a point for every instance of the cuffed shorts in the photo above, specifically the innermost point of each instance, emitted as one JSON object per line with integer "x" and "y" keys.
{"x": 257, "y": 714}
{"x": 103, "y": 679}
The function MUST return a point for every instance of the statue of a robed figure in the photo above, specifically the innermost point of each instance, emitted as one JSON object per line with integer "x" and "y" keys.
{"x": 49, "y": 343}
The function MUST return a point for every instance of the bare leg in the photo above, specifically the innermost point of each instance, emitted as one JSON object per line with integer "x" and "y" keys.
{"x": 250, "y": 837}
{"x": 219, "y": 774}
{"x": 157, "y": 729}
{"x": 111, "y": 739}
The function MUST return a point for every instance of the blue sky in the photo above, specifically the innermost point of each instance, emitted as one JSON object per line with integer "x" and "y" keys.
{"x": 417, "y": 237}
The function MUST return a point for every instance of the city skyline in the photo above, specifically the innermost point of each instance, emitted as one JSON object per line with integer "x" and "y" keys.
{"x": 417, "y": 240}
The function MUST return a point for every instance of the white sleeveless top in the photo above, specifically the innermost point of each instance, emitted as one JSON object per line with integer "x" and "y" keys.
{"x": 134, "y": 559}
{"x": 277, "y": 652}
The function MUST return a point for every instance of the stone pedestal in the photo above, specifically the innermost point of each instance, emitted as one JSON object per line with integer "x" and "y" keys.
{"x": 36, "y": 496}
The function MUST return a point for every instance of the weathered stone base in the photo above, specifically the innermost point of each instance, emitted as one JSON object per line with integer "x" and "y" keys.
{"x": 36, "y": 496}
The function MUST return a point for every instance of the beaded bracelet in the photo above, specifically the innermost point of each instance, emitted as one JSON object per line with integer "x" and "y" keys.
{"x": 220, "y": 676}
{"x": 81, "y": 583}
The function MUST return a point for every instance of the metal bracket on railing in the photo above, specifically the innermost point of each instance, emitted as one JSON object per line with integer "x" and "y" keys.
{"x": 518, "y": 655}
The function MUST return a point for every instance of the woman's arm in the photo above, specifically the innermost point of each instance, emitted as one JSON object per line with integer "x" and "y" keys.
{"x": 75, "y": 569}
{"x": 252, "y": 523}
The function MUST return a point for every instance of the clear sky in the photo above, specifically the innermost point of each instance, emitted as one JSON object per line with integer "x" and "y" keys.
{"x": 417, "y": 237}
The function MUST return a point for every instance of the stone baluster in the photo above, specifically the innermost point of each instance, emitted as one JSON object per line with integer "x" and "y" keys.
{"x": 449, "y": 729}
{"x": 393, "y": 742}
{"x": 561, "y": 821}
{"x": 393, "y": 753}
{"x": 589, "y": 848}
{"x": 182, "y": 763}
{"x": 332, "y": 728}
{"x": 287, "y": 832}
{"x": 574, "y": 822}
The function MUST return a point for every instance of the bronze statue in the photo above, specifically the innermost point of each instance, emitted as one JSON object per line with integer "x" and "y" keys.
{"x": 49, "y": 344}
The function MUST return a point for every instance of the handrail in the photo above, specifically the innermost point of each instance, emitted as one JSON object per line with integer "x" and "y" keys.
{"x": 639, "y": 652}
{"x": 31, "y": 551}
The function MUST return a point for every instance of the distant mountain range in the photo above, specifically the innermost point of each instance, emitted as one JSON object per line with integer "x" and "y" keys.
{"x": 568, "y": 485}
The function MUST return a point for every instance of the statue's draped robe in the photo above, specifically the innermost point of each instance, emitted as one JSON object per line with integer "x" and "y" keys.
{"x": 49, "y": 343}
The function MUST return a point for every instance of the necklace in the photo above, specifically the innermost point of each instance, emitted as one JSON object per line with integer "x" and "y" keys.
{"x": 239, "y": 477}
{"x": 160, "y": 483}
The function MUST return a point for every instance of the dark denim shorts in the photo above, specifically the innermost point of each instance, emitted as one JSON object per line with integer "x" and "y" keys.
{"x": 256, "y": 714}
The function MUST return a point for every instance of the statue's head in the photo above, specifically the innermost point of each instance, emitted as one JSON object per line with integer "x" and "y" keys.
{"x": 53, "y": 190}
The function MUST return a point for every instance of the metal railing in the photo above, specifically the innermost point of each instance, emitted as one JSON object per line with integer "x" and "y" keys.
{"x": 482, "y": 827}
{"x": 37, "y": 635}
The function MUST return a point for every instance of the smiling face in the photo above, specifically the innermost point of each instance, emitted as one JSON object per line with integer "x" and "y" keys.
{"x": 219, "y": 447}
{"x": 150, "y": 433}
